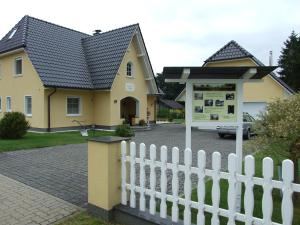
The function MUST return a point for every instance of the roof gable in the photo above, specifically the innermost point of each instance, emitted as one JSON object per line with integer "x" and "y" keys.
{"x": 104, "y": 53}
{"x": 231, "y": 50}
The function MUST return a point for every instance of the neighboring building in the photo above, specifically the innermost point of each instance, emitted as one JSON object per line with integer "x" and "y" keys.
{"x": 170, "y": 104}
{"x": 256, "y": 95}
{"x": 56, "y": 75}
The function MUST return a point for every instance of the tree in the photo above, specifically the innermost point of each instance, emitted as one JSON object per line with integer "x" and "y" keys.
{"x": 171, "y": 90}
{"x": 278, "y": 129}
{"x": 289, "y": 62}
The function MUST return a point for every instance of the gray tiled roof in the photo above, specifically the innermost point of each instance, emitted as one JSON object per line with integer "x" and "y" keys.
{"x": 171, "y": 104}
{"x": 18, "y": 39}
{"x": 67, "y": 58}
{"x": 231, "y": 50}
{"x": 104, "y": 53}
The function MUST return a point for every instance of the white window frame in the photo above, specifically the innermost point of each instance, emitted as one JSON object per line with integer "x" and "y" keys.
{"x": 132, "y": 70}
{"x": 7, "y": 109}
{"x": 25, "y": 106}
{"x": 12, "y": 33}
{"x": 80, "y": 106}
{"x": 15, "y": 66}
{"x": 0, "y": 103}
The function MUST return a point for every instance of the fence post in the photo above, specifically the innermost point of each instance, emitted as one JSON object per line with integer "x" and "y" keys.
{"x": 104, "y": 193}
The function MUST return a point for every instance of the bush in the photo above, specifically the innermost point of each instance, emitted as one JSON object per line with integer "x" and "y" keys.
{"x": 163, "y": 113}
{"x": 142, "y": 123}
{"x": 13, "y": 125}
{"x": 124, "y": 130}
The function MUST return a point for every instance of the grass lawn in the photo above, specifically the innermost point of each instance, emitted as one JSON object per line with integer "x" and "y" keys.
{"x": 83, "y": 218}
{"x": 39, "y": 140}
{"x": 258, "y": 193}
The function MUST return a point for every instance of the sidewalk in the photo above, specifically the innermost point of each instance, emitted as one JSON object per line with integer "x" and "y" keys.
{"x": 24, "y": 205}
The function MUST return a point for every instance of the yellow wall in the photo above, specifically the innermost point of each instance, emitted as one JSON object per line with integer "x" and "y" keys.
{"x": 97, "y": 107}
{"x": 265, "y": 91}
{"x": 17, "y": 87}
{"x": 59, "y": 117}
{"x": 118, "y": 91}
{"x": 152, "y": 107}
{"x": 102, "y": 108}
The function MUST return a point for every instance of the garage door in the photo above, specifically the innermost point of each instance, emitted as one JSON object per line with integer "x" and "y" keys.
{"x": 253, "y": 108}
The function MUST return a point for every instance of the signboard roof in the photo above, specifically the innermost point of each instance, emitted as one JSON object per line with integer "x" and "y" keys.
{"x": 244, "y": 72}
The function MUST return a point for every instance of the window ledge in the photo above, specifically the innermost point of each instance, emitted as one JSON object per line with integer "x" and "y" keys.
{"x": 18, "y": 75}
{"x": 28, "y": 115}
{"x": 73, "y": 115}
{"x": 130, "y": 77}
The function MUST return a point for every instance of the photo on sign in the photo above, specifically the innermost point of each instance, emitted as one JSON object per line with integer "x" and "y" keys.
{"x": 230, "y": 109}
{"x": 198, "y": 109}
{"x": 230, "y": 96}
{"x": 214, "y": 116}
{"x": 198, "y": 96}
{"x": 208, "y": 102}
{"x": 219, "y": 103}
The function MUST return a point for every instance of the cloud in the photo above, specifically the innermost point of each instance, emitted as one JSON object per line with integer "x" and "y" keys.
{"x": 176, "y": 32}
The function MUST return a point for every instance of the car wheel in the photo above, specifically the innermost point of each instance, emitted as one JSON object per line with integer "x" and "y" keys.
{"x": 221, "y": 135}
{"x": 247, "y": 136}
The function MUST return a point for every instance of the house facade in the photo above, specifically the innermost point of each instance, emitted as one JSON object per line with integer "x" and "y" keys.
{"x": 59, "y": 77}
{"x": 256, "y": 94}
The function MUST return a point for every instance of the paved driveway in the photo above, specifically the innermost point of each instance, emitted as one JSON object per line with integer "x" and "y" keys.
{"x": 62, "y": 171}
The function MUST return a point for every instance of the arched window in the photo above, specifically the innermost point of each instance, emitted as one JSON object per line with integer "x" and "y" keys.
{"x": 129, "y": 69}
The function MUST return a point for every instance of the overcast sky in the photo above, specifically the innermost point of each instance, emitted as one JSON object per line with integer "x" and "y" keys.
{"x": 176, "y": 32}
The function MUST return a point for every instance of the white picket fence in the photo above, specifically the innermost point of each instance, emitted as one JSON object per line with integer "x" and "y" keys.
{"x": 268, "y": 184}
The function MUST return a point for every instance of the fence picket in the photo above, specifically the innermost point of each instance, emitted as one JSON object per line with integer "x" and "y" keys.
{"x": 231, "y": 195}
{"x": 216, "y": 165}
{"x": 175, "y": 162}
{"x": 142, "y": 177}
{"x": 232, "y": 176}
{"x": 132, "y": 174}
{"x": 123, "y": 172}
{"x": 287, "y": 200}
{"x": 187, "y": 186}
{"x": 152, "y": 179}
{"x": 163, "y": 181}
{"x": 249, "y": 184}
{"x": 267, "y": 201}
{"x": 201, "y": 187}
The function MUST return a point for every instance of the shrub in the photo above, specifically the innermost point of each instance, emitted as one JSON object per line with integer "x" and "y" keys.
{"x": 124, "y": 130}
{"x": 163, "y": 113}
{"x": 142, "y": 123}
{"x": 13, "y": 125}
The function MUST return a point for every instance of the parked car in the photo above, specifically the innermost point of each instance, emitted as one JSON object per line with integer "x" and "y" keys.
{"x": 247, "y": 128}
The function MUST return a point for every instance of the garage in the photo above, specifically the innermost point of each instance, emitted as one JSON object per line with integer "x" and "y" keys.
{"x": 253, "y": 108}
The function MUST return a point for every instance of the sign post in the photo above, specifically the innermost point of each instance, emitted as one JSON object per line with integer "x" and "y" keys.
{"x": 214, "y": 97}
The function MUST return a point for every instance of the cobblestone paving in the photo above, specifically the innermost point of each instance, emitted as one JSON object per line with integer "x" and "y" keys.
{"x": 24, "y": 205}
{"x": 60, "y": 171}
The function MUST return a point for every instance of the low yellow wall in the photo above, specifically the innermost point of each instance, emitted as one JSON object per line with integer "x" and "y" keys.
{"x": 104, "y": 174}
{"x": 17, "y": 87}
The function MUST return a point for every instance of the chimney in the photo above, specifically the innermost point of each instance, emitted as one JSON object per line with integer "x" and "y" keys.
{"x": 96, "y": 32}
{"x": 271, "y": 58}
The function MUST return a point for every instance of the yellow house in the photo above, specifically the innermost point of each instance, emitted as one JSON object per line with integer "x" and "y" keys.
{"x": 256, "y": 95}
{"x": 59, "y": 77}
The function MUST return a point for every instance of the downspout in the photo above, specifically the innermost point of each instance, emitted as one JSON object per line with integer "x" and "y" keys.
{"x": 49, "y": 110}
